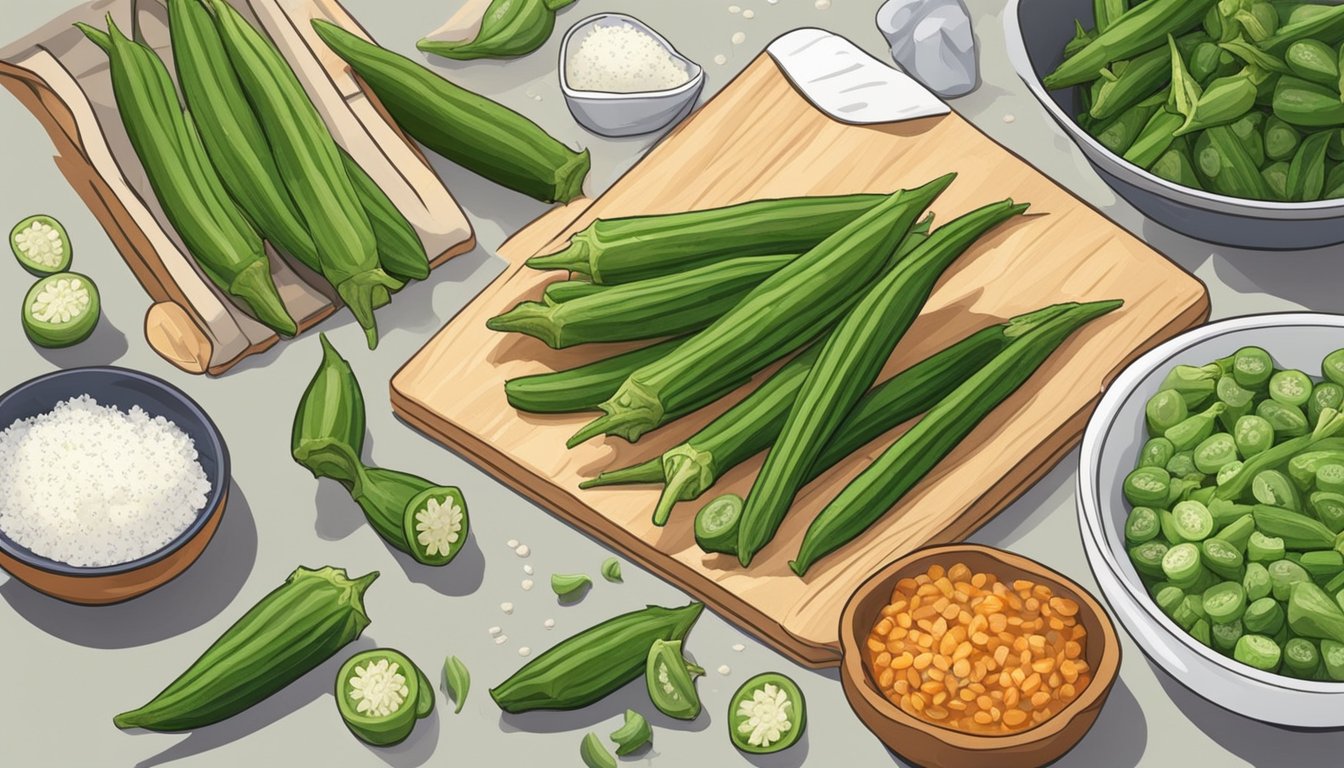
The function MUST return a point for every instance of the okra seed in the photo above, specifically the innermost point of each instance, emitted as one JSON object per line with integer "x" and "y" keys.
{"x": 512, "y": 543}
{"x": 523, "y": 550}
{"x": 495, "y": 631}
{"x": 502, "y": 639}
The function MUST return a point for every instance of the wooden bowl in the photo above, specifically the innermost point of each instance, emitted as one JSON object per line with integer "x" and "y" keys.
{"x": 934, "y": 746}
{"x": 123, "y": 388}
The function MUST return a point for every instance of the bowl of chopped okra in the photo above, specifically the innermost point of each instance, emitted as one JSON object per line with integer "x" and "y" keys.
{"x": 1211, "y": 507}
{"x": 968, "y": 656}
{"x": 1220, "y": 119}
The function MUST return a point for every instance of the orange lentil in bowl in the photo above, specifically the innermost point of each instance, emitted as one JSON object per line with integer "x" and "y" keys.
{"x": 966, "y": 651}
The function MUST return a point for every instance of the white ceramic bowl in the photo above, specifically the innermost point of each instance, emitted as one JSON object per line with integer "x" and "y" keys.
{"x": 1110, "y": 450}
{"x": 1035, "y": 32}
{"x": 628, "y": 114}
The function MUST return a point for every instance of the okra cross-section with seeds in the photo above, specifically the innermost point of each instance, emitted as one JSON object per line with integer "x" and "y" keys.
{"x": 61, "y": 310}
{"x": 41, "y": 245}
{"x": 380, "y": 694}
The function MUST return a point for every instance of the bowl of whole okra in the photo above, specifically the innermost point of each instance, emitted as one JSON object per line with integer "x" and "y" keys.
{"x": 1211, "y": 508}
{"x": 1238, "y": 139}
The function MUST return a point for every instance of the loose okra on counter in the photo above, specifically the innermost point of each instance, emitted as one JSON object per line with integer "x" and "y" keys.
{"x": 1237, "y": 97}
{"x": 1236, "y": 523}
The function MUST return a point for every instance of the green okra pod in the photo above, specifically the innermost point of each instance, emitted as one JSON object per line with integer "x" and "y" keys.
{"x": 481, "y": 135}
{"x": 1155, "y": 138}
{"x": 425, "y": 520}
{"x": 1325, "y": 25}
{"x": 1314, "y": 61}
{"x": 401, "y": 254}
{"x": 1225, "y": 167}
{"x": 909, "y": 459}
{"x": 633, "y": 734}
{"x": 750, "y": 426}
{"x": 1304, "y": 103}
{"x": 584, "y": 387}
{"x": 508, "y": 28}
{"x": 612, "y": 251}
{"x": 193, "y": 196}
{"x": 670, "y": 680}
{"x": 1306, "y": 172}
{"x": 1145, "y": 75}
{"x": 292, "y": 630}
{"x": 329, "y": 424}
{"x": 311, "y": 167}
{"x": 1141, "y": 29}
{"x": 458, "y": 681}
{"x": 847, "y": 365}
{"x": 1119, "y": 135}
{"x": 584, "y": 668}
{"x": 661, "y": 306}
{"x": 780, "y": 315}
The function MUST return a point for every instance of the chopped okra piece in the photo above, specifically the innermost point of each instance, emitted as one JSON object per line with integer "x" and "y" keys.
{"x": 1258, "y": 651}
{"x": 767, "y": 714}
{"x": 41, "y": 245}
{"x": 1263, "y": 617}
{"x": 60, "y": 310}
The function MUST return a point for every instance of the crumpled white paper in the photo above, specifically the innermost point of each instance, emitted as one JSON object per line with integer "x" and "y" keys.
{"x": 932, "y": 41}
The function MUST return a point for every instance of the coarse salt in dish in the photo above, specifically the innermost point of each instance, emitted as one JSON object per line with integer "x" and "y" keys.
{"x": 92, "y": 485}
{"x": 620, "y": 58}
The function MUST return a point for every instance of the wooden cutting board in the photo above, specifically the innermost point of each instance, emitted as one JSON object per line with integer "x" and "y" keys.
{"x": 760, "y": 139}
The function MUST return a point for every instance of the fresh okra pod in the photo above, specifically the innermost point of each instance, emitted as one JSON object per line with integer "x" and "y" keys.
{"x": 507, "y": 28}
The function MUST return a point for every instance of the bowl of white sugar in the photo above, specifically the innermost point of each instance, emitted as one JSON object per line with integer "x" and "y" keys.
{"x": 112, "y": 482}
{"x": 621, "y": 78}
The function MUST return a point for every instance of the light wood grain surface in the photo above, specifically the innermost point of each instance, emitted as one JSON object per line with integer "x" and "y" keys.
{"x": 760, "y": 139}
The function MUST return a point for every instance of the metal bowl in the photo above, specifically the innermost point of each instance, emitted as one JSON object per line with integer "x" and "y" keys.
{"x": 1036, "y": 32}
{"x": 628, "y": 114}
{"x": 1111, "y": 447}
{"x": 122, "y": 388}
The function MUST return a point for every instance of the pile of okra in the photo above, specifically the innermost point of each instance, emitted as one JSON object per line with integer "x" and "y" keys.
{"x": 829, "y": 284}
{"x": 1236, "y": 97}
{"x": 1237, "y": 525}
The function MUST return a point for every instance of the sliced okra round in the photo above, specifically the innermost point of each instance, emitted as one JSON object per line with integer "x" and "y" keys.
{"x": 61, "y": 310}
{"x": 41, "y": 245}
{"x": 379, "y": 696}
{"x": 767, "y": 714}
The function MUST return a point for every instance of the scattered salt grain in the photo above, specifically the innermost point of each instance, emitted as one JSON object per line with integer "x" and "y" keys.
{"x": 527, "y": 584}
{"x": 495, "y": 631}
{"x": 739, "y": 38}
{"x": 549, "y": 624}
{"x": 524, "y": 651}
{"x": 748, "y": 14}
{"x": 739, "y": 647}
{"x": 1009, "y": 118}
{"x": 823, "y": 4}
{"x": 619, "y": 58}
{"x": 93, "y": 485}
{"x": 528, "y": 570}
{"x": 720, "y": 59}
{"x": 502, "y": 639}
{"x": 506, "y": 607}
{"x": 523, "y": 550}
{"x": 734, "y": 9}
{"x": 512, "y": 543}
{"x": 724, "y": 670}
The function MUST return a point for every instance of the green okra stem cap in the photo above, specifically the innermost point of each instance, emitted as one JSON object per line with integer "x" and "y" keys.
{"x": 360, "y": 292}
{"x": 575, "y": 257}
{"x": 629, "y": 413}
{"x": 689, "y": 472}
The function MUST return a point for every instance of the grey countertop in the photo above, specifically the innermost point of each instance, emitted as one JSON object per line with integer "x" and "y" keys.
{"x": 69, "y": 669}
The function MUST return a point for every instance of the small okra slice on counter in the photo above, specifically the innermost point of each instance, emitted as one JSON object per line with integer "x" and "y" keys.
{"x": 41, "y": 245}
{"x": 767, "y": 714}
{"x": 458, "y": 681}
{"x": 594, "y": 754}
{"x": 633, "y": 734}
{"x": 611, "y": 570}
{"x": 570, "y": 586}
{"x": 61, "y": 310}
{"x": 670, "y": 679}
{"x": 378, "y": 694}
